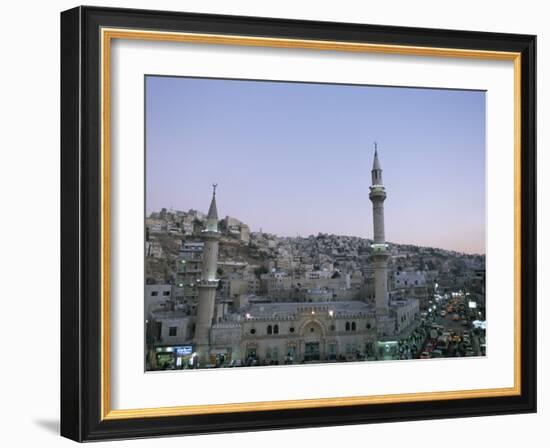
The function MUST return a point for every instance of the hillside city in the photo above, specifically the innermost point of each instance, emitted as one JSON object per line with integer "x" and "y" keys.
{"x": 255, "y": 269}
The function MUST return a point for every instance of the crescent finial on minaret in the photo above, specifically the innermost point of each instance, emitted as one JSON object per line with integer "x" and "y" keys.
{"x": 212, "y": 217}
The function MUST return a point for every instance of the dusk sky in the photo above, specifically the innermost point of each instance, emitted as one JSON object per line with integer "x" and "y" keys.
{"x": 295, "y": 158}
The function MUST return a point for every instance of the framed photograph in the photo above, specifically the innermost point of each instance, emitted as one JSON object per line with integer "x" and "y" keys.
{"x": 273, "y": 223}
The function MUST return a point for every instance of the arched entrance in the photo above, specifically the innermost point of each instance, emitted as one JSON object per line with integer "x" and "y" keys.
{"x": 312, "y": 351}
{"x": 313, "y": 342}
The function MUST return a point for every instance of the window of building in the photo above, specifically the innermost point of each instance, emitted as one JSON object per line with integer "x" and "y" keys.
{"x": 347, "y": 326}
{"x": 253, "y": 331}
{"x": 353, "y": 326}
{"x": 165, "y": 293}
{"x": 269, "y": 329}
{"x": 368, "y": 326}
{"x": 173, "y": 331}
{"x": 154, "y": 293}
{"x": 276, "y": 329}
{"x": 291, "y": 329}
{"x": 332, "y": 328}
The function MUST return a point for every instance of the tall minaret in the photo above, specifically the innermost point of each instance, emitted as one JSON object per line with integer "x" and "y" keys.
{"x": 208, "y": 283}
{"x": 379, "y": 247}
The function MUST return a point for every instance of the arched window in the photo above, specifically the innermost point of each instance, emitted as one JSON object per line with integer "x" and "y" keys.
{"x": 347, "y": 326}
{"x": 269, "y": 329}
{"x": 353, "y": 327}
{"x": 276, "y": 329}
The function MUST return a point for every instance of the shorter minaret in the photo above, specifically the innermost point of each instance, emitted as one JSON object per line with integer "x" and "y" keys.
{"x": 379, "y": 247}
{"x": 208, "y": 283}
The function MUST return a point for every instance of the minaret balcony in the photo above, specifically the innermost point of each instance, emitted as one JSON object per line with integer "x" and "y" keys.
{"x": 379, "y": 247}
{"x": 209, "y": 233}
{"x": 377, "y": 192}
{"x": 208, "y": 283}
{"x": 377, "y": 187}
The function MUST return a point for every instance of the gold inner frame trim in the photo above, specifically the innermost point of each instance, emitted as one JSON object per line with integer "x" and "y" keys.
{"x": 107, "y": 35}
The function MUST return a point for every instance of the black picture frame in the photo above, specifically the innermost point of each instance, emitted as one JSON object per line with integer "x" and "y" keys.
{"x": 81, "y": 224}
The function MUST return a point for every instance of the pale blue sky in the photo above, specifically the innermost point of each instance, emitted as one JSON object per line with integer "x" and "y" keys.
{"x": 295, "y": 158}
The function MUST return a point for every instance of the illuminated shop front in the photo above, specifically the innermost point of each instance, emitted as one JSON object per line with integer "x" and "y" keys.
{"x": 175, "y": 357}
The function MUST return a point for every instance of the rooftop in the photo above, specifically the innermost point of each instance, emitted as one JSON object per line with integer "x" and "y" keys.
{"x": 176, "y": 314}
{"x": 260, "y": 310}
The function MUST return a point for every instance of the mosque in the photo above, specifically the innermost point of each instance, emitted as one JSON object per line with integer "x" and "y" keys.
{"x": 263, "y": 332}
